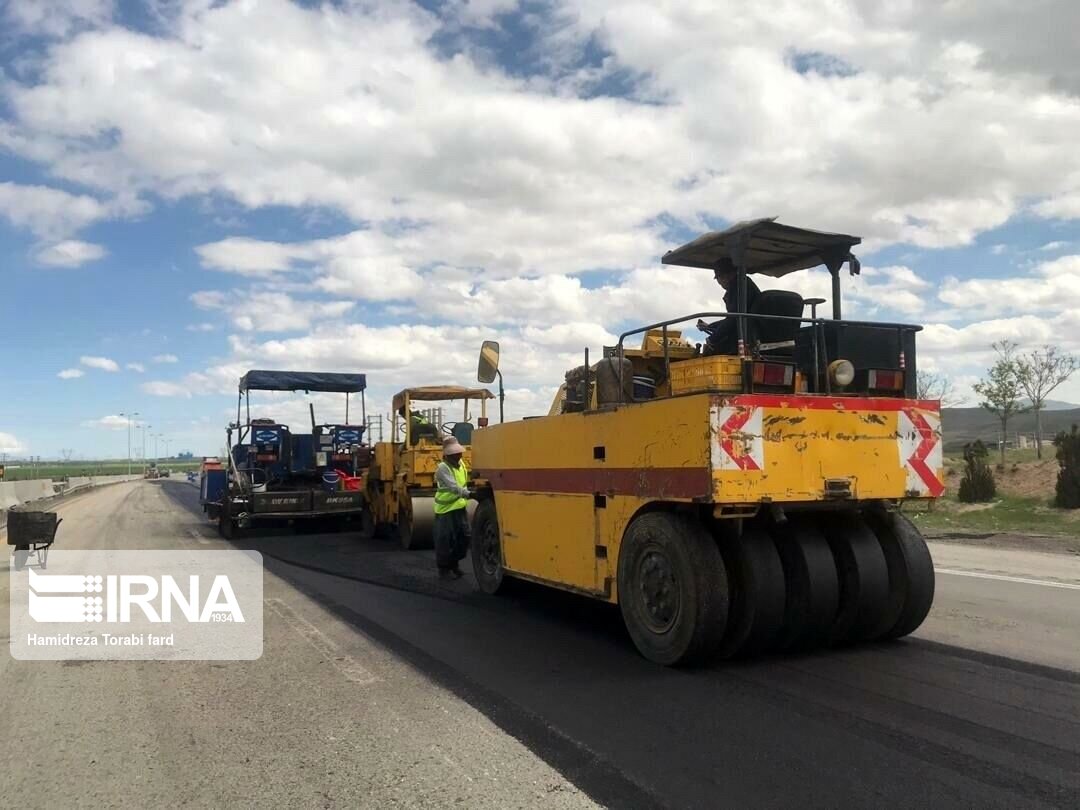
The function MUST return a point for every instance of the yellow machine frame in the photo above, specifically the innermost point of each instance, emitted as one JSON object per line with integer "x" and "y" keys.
{"x": 567, "y": 486}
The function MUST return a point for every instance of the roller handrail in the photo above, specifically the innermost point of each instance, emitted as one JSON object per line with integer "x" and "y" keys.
{"x": 742, "y": 317}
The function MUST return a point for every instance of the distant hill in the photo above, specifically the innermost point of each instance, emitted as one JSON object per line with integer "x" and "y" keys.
{"x": 1058, "y": 405}
{"x": 963, "y": 425}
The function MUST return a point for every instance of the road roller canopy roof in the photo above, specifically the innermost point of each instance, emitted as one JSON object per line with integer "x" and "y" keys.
{"x": 440, "y": 393}
{"x": 768, "y": 248}
{"x": 303, "y": 381}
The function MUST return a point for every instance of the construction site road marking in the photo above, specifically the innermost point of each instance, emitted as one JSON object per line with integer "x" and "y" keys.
{"x": 346, "y": 664}
{"x": 1048, "y": 583}
{"x": 198, "y": 537}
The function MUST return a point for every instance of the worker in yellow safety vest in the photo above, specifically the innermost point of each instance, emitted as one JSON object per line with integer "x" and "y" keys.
{"x": 451, "y": 517}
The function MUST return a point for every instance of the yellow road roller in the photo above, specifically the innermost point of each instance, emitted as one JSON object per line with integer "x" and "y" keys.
{"x": 401, "y": 480}
{"x": 731, "y": 503}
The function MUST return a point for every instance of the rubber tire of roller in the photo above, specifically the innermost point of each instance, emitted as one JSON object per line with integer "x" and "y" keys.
{"x": 864, "y": 578}
{"x": 700, "y": 577}
{"x": 758, "y": 593}
{"x": 911, "y": 574}
{"x": 813, "y": 588}
{"x": 485, "y": 519}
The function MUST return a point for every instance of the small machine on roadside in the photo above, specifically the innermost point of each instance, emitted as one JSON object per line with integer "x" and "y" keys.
{"x": 275, "y": 474}
{"x": 31, "y": 533}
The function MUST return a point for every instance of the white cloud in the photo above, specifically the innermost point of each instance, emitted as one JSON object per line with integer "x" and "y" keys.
{"x": 1029, "y": 331}
{"x": 159, "y": 388}
{"x": 271, "y": 311}
{"x": 478, "y": 13}
{"x": 71, "y": 373}
{"x": 9, "y": 444}
{"x": 477, "y": 197}
{"x": 166, "y": 358}
{"x": 48, "y": 212}
{"x": 1053, "y": 286}
{"x": 1063, "y": 206}
{"x": 247, "y": 256}
{"x": 200, "y": 327}
{"x": 103, "y": 363}
{"x": 110, "y": 422}
{"x": 521, "y": 175}
{"x": 209, "y": 299}
{"x": 1050, "y": 247}
{"x": 70, "y": 253}
{"x": 55, "y": 18}
{"x": 138, "y": 368}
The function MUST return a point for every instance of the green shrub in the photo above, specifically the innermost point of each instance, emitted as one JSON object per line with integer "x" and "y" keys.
{"x": 977, "y": 485}
{"x": 1068, "y": 457}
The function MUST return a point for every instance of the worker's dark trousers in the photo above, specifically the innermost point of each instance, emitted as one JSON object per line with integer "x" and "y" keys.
{"x": 725, "y": 340}
{"x": 451, "y": 538}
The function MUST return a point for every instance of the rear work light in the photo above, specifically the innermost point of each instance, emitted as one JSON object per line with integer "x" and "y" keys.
{"x": 878, "y": 380}
{"x": 774, "y": 374}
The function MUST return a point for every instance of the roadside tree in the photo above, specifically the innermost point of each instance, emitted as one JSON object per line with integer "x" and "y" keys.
{"x": 1000, "y": 390}
{"x": 934, "y": 385}
{"x": 1039, "y": 373}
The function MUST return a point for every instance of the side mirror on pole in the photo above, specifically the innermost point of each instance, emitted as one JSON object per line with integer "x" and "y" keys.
{"x": 489, "y": 362}
{"x": 488, "y": 369}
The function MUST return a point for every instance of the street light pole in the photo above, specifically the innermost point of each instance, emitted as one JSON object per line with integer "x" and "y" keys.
{"x": 129, "y": 415}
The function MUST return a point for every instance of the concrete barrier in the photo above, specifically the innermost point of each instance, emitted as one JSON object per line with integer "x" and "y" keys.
{"x": 33, "y": 490}
{"x": 78, "y": 482}
{"x": 16, "y": 493}
{"x": 8, "y": 498}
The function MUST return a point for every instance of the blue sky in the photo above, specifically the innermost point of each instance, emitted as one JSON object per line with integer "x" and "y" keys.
{"x": 189, "y": 189}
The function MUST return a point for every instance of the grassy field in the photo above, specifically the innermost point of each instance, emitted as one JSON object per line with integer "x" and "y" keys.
{"x": 1004, "y": 515}
{"x": 1025, "y": 493}
{"x": 57, "y": 471}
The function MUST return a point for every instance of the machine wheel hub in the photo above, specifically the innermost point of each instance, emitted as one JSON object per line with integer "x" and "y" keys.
{"x": 660, "y": 593}
{"x": 489, "y": 549}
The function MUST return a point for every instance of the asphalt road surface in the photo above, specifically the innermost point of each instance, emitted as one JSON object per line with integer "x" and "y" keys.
{"x": 379, "y": 686}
